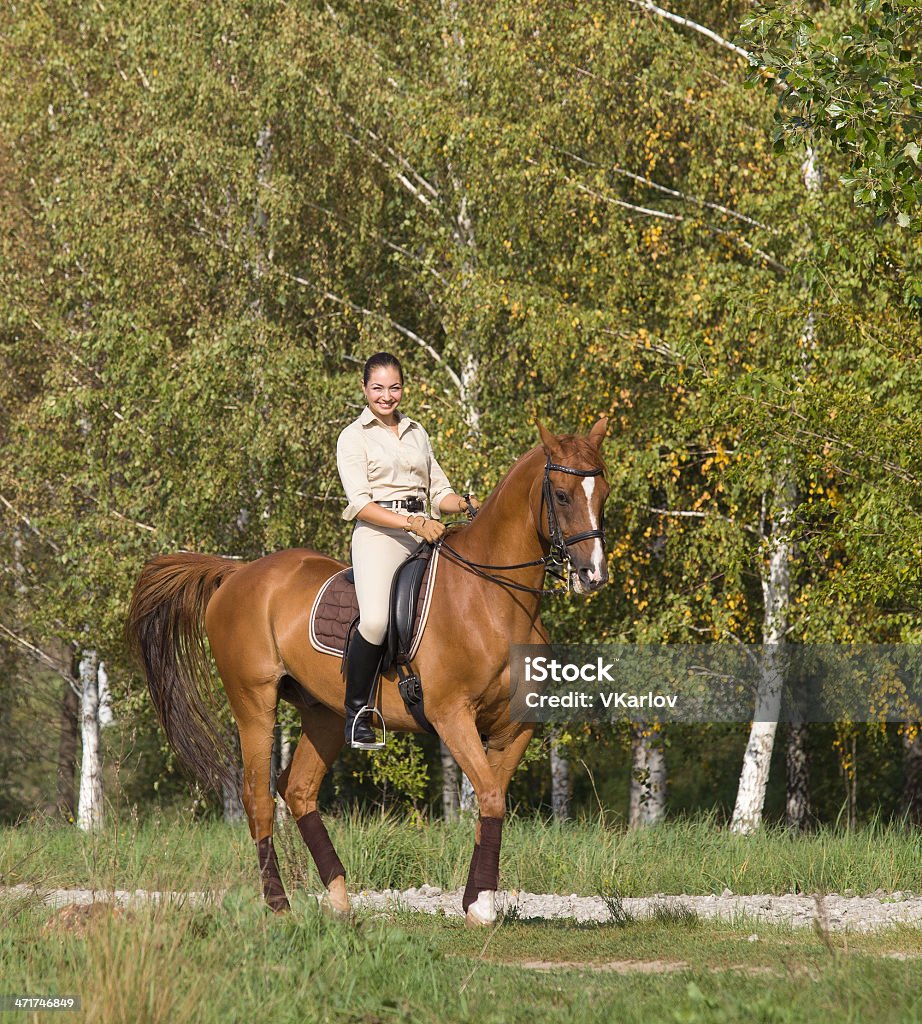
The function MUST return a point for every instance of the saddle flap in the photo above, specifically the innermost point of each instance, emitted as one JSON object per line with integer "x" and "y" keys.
{"x": 404, "y": 600}
{"x": 335, "y": 608}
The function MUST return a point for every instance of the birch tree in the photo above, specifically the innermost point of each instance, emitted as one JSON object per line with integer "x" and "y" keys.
{"x": 90, "y": 806}
{"x": 647, "y": 798}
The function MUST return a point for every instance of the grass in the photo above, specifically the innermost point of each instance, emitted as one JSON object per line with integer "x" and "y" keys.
{"x": 692, "y": 856}
{"x": 236, "y": 962}
{"x": 233, "y": 961}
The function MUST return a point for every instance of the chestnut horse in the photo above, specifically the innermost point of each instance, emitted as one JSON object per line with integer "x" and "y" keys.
{"x": 548, "y": 507}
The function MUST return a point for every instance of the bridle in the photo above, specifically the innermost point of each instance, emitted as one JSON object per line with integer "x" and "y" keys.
{"x": 557, "y": 560}
{"x": 559, "y": 544}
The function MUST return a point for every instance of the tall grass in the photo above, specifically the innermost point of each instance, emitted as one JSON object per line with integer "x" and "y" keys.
{"x": 693, "y": 856}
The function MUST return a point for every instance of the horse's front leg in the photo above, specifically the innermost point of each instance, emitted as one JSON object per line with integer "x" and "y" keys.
{"x": 459, "y": 732}
{"x": 503, "y": 755}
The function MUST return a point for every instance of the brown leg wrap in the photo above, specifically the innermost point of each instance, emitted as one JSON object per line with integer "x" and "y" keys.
{"x": 484, "y": 871}
{"x": 273, "y": 890}
{"x": 470, "y": 890}
{"x": 314, "y": 833}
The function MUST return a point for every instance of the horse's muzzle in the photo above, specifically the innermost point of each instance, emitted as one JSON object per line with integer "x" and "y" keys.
{"x": 588, "y": 580}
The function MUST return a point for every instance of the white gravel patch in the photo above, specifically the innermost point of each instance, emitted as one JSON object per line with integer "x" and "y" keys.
{"x": 839, "y": 912}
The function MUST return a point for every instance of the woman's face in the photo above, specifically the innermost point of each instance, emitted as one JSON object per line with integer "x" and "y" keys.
{"x": 383, "y": 392}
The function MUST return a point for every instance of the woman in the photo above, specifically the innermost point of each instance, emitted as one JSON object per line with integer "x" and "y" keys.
{"x": 388, "y": 470}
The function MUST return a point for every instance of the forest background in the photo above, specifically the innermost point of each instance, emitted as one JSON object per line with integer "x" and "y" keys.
{"x": 211, "y": 214}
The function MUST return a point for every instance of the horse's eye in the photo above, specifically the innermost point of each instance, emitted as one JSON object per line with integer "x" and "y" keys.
{"x": 562, "y": 497}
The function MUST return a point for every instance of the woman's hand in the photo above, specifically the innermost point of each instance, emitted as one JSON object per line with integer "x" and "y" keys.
{"x": 471, "y": 506}
{"x": 429, "y": 529}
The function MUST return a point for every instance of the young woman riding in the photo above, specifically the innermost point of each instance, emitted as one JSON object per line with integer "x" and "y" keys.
{"x": 388, "y": 471}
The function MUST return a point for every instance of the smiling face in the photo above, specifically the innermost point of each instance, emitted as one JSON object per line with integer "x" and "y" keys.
{"x": 383, "y": 392}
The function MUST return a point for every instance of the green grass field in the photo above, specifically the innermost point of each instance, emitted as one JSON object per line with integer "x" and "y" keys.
{"x": 693, "y": 856}
{"x": 236, "y": 962}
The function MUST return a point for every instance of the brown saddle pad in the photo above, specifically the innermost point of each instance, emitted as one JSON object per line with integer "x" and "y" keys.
{"x": 336, "y": 607}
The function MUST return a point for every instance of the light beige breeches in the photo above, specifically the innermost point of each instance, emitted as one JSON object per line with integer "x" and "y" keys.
{"x": 376, "y": 553}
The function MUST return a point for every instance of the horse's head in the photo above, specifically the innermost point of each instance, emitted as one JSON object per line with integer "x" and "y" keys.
{"x": 574, "y": 491}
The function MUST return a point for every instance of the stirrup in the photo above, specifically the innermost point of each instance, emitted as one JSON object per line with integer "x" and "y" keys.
{"x": 368, "y": 746}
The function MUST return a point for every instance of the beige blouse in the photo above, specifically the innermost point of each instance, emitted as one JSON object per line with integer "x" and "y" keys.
{"x": 375, "y": 464}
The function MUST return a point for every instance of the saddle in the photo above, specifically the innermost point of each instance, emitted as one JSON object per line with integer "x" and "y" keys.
{"x": 335, "y": 613}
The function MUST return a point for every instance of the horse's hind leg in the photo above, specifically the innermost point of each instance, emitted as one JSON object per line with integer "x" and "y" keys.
{"x": 320, "y": 743}
{"x": 255, "y": 716}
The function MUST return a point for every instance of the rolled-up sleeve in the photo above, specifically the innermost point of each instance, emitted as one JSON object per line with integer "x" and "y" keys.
{"x": 352, "y": 463}
{"x": 439, "y": 487}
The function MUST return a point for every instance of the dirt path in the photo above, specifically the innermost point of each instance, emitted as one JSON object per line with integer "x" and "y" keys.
{"x": 833, "y": 911}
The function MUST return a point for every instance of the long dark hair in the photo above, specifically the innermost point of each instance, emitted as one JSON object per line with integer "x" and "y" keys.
{"x": 382, "y": 359}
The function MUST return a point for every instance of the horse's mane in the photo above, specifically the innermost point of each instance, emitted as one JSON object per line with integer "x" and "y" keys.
{"x": 576, "y": 446}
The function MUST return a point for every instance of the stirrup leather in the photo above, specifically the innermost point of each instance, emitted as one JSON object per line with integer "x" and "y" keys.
{"x": 368, "y": 746}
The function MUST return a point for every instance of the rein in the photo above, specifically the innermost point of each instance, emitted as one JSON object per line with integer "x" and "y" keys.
{"x": 559, "y": 554}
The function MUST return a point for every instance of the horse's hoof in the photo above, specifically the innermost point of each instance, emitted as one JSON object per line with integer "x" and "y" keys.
{"x": 335, "y": 911}
{"x": 335, "y": 902}
{"x": 482, "y": 912}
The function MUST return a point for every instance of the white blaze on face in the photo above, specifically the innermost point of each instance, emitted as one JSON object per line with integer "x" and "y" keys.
{"x": 598, "y": 555}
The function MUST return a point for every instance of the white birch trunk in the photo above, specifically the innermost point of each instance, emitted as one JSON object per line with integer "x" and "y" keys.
{"x": 285, "y": 752}
{"x": 451, "y": 783}
{"x": 232, "y": 789}
{"x": 231, "y": 800}
{"x": 89, "y": 807}
{"x": 560, "y": 780}
{"x": 647, "y": 802}
{"x": 105, "y": 697}
{"x": 468, "y": 802}
{"x": 776, "y": 590}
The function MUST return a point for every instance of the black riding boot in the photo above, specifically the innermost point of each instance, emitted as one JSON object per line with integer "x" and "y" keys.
{"x": 361, "y": 670}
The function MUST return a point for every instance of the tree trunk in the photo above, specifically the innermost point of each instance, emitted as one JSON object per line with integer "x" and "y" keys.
{"x": 232, "y": 790}
{"x": 797, "y": 805}
{"x": 468, "y": 802}
{"x": 776, "y": 590}
{"x": 66, "y": 802}
{"x": 560, "y": 780}
{"x": 231, "y": 799}
{"x": 105, "y": 697}
{"x": 451, "y": 783}
{"x": 912, "y": 774}
{"x": 284, "y": 759}
{"x": 647, "y": 802}
{"x": 90, "y": 810}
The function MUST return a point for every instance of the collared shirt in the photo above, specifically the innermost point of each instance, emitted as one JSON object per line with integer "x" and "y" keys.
{"x": 375, "y": 464}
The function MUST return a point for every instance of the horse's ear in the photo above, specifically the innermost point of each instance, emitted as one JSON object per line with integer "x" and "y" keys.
{"x": 598, "y": 432}
{"x": 550, "y": 442}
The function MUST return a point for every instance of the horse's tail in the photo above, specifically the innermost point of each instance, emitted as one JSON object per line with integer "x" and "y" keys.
{"x": 165, "y": 629}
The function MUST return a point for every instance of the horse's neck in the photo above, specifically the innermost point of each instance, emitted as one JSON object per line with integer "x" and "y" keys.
{"x": 504, "y": 532}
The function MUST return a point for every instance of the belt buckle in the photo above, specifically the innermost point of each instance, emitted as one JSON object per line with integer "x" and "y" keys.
{"x": 414, "y": 505}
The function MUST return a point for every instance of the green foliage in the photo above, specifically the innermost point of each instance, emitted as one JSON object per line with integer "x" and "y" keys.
{"x": 212, "y": 214}
{"x": 849, "y": 73}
